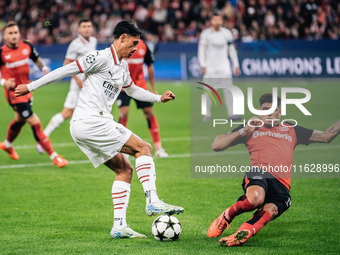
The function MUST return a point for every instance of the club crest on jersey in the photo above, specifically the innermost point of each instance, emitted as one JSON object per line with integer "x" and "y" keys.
{"x": 25, "y": 51}
{"x": 141, "y": 51}
{"x": 90, "y": 59}
{"x": 8, "y": 56}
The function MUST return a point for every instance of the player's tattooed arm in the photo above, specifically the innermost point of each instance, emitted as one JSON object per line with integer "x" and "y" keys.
{"x": 325, "y": 136}
{"x": 223, "y": 142}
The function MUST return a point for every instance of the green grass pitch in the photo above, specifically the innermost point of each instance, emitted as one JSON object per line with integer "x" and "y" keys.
{"x": 47, "y": 210}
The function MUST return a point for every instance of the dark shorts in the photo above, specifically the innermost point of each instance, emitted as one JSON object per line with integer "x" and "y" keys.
{"x": 24, "y": 109}
{"x": 276, "y": 192}
{"x": 124, "y": 100}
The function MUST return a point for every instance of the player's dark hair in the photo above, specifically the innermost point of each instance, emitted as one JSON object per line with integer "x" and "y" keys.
{"x": 10, "y": 24}
{"x": 83, "y": 21}
{"x": 268, "y": 98}
{"x": 126, "y": 27}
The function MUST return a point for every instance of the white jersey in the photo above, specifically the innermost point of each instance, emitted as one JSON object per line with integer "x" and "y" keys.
{"x": 214, "y": 50}
{"x": 80, "y": 47}
{"x": 105, "y": 76}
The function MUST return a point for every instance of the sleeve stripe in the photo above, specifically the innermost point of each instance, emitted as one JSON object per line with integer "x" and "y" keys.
{"x": 81, "y": 70}
{"x": 124, "y": 87}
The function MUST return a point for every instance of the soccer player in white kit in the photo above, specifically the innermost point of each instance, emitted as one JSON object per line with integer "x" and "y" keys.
{"x": 96, "y": 133}
{"x": 79, "y": 47}
{"x": 214, "y": 50}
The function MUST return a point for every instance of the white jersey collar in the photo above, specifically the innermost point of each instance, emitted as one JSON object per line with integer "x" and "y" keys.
{"x": 114, "y": 55}
{"x": 83, "y": 40}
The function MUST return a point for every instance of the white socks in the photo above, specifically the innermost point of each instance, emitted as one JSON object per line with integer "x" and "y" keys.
{"x": 53, "y": 124}
{"x": 120, "y": 196}
{"x": 145, "y": 169}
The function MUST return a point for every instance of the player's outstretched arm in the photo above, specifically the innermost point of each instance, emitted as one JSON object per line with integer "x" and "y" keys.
{"x": 62, "y": 72}
{"x": 223, "y": 142}
{"x": 146, "y": 96}
{"x": 325, "y": 136}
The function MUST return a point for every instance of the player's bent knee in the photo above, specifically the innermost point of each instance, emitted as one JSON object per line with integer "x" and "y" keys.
{"x": 146, "y": 149}
{"x": 256, "y": 200}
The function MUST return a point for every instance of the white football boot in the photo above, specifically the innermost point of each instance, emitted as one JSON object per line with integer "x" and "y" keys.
{"x": 160, "y": 208}
{"x": 126, "y": 232}
{"x": 160, "y": 153}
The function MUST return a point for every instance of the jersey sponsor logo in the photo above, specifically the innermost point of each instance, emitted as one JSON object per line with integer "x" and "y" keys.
{"x": 269, "y": 133}
{"x": 90, "y": 59}
{"x": 17, "y": 63}
{"x": 8, "y": 56}
{"x": 110, "y": 90}
{"x": 25, "y": 51}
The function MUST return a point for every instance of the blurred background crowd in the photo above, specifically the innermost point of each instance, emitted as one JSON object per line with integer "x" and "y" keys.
{"x": 56, "y": 21}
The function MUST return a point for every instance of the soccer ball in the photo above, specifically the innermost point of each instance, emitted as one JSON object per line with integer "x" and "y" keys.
{"x": 166, "y": 228}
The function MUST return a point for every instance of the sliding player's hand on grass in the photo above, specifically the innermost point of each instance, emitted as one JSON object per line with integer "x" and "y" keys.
{"x": 167, "y": 96}
{"x": 251, "y": 125}
{"x": 21, "y": 90}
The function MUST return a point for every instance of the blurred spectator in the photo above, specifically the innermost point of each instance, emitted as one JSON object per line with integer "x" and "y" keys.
{"x": 175, "y": 20}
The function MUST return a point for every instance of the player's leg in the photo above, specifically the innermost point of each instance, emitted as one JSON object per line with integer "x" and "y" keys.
{"x": 121, "y": 195}
{"x": 145, "y": 169}
{"x": 57, "y": 120}
{"x": 254, "y": 197}
{"x": 153, "y": 128}
{"x": 261, "y": 217}
{"x": 13, "y": 131}
{"x": 277, "y": 201}
{"x": 123, "y": 102}
{"x": 123, "y": 115}
{"x": 44, "y": 141}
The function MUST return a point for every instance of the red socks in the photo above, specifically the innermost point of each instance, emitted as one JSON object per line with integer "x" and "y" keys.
{"x": 154, "y": 131}
{"x": 240, "y": 207}
{"x": 258, "y": 221}
{"x": 14, "y": 129}
{"x": 42, "y": 139}
{"x": 123, "y": 121}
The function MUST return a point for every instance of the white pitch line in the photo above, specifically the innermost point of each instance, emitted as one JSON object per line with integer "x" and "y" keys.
{"x": 184, "y": 155}
{"x": 166, "y": 139}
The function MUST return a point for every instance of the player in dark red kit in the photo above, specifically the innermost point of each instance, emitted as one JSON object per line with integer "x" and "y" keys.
{"x": 14, "y": 67}
{"x": 271, "y": 148}
{"x": 136, "y": 61}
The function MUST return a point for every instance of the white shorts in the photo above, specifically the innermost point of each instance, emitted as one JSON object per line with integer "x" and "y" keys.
{"x": 99, "y": 138}
{"x": 73, "y": 95}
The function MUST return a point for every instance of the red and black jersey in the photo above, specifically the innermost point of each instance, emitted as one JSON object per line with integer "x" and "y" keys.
{"x": 142, "y": 55}
{"x": 14, "y": 63}
{"x": 274, "y": 147}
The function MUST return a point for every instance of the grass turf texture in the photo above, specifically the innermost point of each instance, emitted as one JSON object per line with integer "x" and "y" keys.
{"x": 47, "y": 210}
